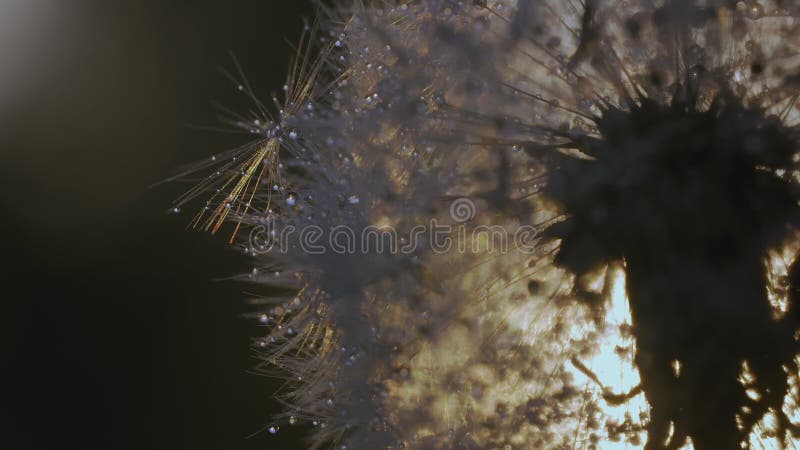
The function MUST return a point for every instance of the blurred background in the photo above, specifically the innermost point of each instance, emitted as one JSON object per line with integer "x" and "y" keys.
{"x": 118, "y": 334}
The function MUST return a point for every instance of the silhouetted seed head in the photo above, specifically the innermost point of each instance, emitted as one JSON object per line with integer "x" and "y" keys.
{"x": 700, "y": 184}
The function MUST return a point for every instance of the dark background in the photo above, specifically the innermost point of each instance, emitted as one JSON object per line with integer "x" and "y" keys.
{"x": 117, "y": 333}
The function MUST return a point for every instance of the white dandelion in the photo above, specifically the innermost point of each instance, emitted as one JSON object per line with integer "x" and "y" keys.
{"x": 652, "y": 145}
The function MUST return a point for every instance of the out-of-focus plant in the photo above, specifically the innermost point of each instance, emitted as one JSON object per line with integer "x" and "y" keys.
{"x": 647, "y": 148}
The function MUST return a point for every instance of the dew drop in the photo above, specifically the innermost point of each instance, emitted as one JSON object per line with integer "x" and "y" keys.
{"x": 273, "y": 430}
{"x": 754, "y": 11}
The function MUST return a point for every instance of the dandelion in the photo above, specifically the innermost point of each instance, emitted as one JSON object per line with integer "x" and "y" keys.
{"x": 651, "y": 145}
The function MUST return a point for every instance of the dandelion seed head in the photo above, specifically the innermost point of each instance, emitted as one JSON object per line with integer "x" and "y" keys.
{"x": 620, "y": 135}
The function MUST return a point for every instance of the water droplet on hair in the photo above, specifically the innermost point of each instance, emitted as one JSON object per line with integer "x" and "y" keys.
{"x": 696, "y": 71}
{"x": 754, "y": 10}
